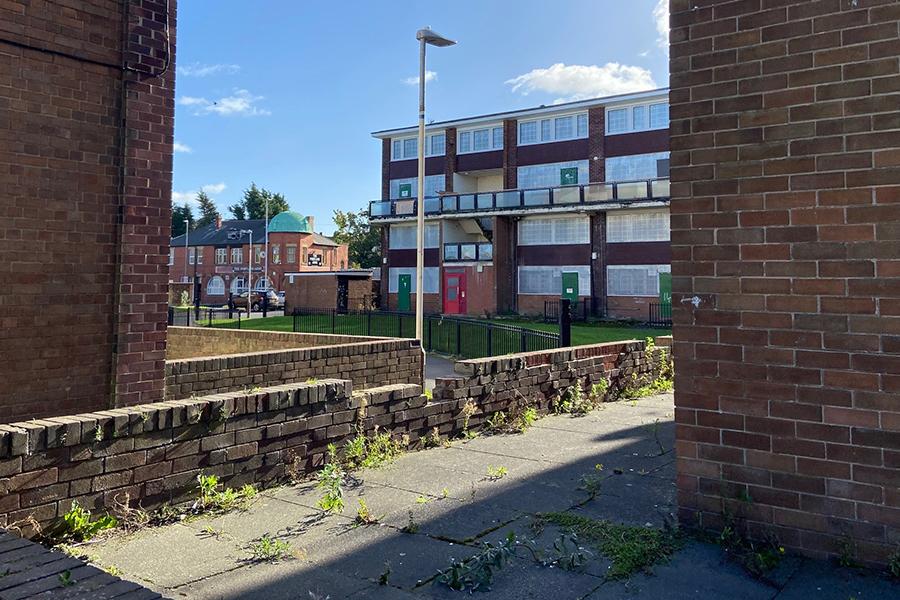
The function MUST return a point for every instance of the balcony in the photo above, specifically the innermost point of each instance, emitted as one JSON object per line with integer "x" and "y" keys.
{"x": 468, "y": 252}
{"x": 572, "y": 196}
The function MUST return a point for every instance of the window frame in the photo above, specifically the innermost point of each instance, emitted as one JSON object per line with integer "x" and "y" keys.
{"x": 549, "y": 135}
{"x": 629, "y": 111}
{"x": 471, "y": 132}
{"x": 222, "y": 256}
{"x": 584, "y": 278}
{"x": 220, "y": 280}
{"x": 660, "y": 268}
{"x": 429, "y": 146}
{"x": 290, "y": 254}
{"x": 239, "y": 252}
{"x": 554, "y": 222}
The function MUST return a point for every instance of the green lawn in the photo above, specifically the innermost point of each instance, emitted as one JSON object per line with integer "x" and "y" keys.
{"x": 466, "y": 339}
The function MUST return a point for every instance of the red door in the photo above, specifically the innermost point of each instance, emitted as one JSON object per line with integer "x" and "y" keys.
{"x": 454, "y": 293}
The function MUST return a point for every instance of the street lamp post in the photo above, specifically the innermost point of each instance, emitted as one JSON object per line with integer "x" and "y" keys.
{"x": 266, "y": 269}
{"x": 249, "y": 269}
{"x": 186, "y": 234}
{"x": 425, "y": 36}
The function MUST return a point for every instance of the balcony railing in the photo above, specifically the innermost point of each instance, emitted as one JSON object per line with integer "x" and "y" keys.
{"x": 468, "y": 252}
{"x": 565, "y": 196}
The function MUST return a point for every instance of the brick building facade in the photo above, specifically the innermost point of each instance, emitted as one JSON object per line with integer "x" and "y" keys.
{"x": 87, "y": 175}
{"x": 513, "y": 201}
{"x": 786, "y": 268}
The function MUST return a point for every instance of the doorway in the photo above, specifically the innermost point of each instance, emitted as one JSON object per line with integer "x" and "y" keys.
{"x": 454, "y": 292}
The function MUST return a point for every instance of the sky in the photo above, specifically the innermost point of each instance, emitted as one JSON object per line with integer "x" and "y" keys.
{"x": 285, "y": 93}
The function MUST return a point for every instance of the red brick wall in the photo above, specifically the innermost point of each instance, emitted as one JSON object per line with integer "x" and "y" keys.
{"x": 85, "y": 250}
{"x": 785, "y": 200}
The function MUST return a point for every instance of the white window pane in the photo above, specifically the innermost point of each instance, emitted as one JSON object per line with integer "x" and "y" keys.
{"x": 409, "y": 147}
{"x": 430, "y": 279}
{"x": 659, "y": 116}
{"x": 437, "y": 144}
{"x": 465, "y": 142}
{"x": 639, "y": 118}
{"x": 548, "y": 175}
{"x": 634, "y": 280}
{"x": 546, "y": 130}
{"x": 564, "y": 128}
{"x": 215, "y": 286}
{"x": 644, "y": 226}
{"x": 398, "y": 149}
{"x": 528, "y": 132}
{"x": 548, "y": 280}
{"x": 403, "y": 237}
{"x": 540, "y": 231}
{"x": 617, "y": 120}
{"x": 482, "y": 140}
{"x": 634, "y": 167}
{"x": 498, "y": 138}
{"x": 582, "y": 125}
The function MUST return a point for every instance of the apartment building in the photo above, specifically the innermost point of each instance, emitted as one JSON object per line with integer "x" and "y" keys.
{"x": 526, "y": 206}
{"x": 220, "y": 253}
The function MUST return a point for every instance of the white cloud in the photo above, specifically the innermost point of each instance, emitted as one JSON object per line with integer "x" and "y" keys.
{"x": 579, "y": 82}
{"x": 179, "y": 147}
{"x": 429, "y": 76}
{"x": 201, "y": 70}
{"x": 661, "y": 17}
{"x": 240, "y": 102}
{"x": 190, "y": 197}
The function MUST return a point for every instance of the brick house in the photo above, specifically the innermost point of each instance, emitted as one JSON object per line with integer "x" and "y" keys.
{"x": 86, "y": 171}
{"x": 219, "y": 254}
{"x": 518, "y": 202}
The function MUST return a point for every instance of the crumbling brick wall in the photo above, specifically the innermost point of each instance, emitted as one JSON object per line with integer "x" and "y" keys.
{"x": 786, "y": 279}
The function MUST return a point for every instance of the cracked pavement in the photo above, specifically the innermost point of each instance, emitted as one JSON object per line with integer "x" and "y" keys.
{"x": 455, "y": 507}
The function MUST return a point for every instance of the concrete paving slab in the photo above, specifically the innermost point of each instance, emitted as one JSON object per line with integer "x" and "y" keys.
{"x": 270, "y": 516}
{"x": 827, "y": 581}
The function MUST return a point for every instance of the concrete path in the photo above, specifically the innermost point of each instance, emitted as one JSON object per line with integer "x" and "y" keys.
{"x": 437, "y": 366}
{"x": 454, "y": 507}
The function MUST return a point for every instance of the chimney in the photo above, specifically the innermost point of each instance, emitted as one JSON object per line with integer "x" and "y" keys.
{"x": 312, "y": 223}
{"x": 218, "y": 221}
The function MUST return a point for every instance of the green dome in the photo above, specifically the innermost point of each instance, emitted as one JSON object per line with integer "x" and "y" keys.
{"x": 289, "y": 222}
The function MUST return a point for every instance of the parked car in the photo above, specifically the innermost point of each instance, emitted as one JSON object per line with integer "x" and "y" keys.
{"x": 256, "y": 303}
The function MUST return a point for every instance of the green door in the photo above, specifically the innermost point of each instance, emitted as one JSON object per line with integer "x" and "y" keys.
{"x": 404, "y": 285}
{"x": 665, "y": 288}
{"x": 570, "y": 286}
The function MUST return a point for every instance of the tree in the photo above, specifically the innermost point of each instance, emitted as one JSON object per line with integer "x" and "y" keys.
{"x": 363, "y": 240}
{"x": 208, "y": 211}
{"x": 253, "y": 204}
{"x": 179, "y": 214}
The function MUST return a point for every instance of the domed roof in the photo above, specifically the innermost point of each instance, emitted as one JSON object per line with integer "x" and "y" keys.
{"x": 289, "y": 222}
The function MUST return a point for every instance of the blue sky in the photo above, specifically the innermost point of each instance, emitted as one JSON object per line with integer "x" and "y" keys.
{"x": 286, "y": 92}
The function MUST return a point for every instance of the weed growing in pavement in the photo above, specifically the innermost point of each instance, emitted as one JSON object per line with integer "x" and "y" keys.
{"x": 598, "y": 392}
{"x": 468, "y": 410}
{"x": 385, "y": 575}
{"x": 660, "y": 379}
{"x": 412, "y": 526}
{"x": 477, "y": 572}
{"x": 433, "y": 439}
{"x": 757, "y": 558}
{"x": 573, "y": 402}
{"x": 269, "y": 549}
{"x": 77, "y": 525}
{"x": 496, "y": 473}
{"x": 590, "y": 483}
{"x": 630, "y": 548}
{"x": 66, "y": 579}
{"x": 364, "y": 516}
{"x": 847, "y": 553}
{"x": 311, "y": 380}
{"x": 98, "y": 434}
{"x": 372, "y": 452}
{"x": 894, "y": 564}
{"x": 213, "y": 500}
{"x": 331, "y": 482}
{"x": 421, "y": 500}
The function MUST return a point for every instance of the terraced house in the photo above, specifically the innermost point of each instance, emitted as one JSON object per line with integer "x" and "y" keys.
{"x": 526, "y": 206}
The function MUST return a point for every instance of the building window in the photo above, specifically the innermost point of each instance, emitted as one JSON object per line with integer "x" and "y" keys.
{"x": 634, "y": 280}
{"x": 637, "y": 226}
{"x": 237, "y": 256}
{"x": 637, "y": 167}
{"x": 199, "y": 256}
{"x": 305, "y": 250}
{"x": 221, "y": 256}
{"x": 551, "y": 231}
{"x": 171, "y": 256}
{"x": 192, "y": 253}
{"x": 215, "y": 286}
{"x": 406, "y": 148}
{"x": 528, "y": 132}
{"x": 291, "y": 250}
{"x": 548, "y": 280}
{"x": 403, "y": 237}
{"x": 433, "y": 184}
{"x": 556, "y": 129}
{"x": 479, "y": 140}
{"x": 430, "y": 279}
{"x": 551, "y": 174}
{"x": 238, "y": 285}
{"x": 259, "y": 253}
{"x": 638, "y": 117}
{"x": 263, "y": 284}
{"x": 276, "y": 254}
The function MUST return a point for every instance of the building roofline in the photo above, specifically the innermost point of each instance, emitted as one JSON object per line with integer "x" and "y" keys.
{"x": 525, "y": 112}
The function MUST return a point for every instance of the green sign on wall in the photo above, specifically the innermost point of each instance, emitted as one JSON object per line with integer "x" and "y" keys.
{"x": 570, "y": 286}
{"x": 406, "y": 190}
{"x": 568, "y": 176}
{"x": 665, "y": 288}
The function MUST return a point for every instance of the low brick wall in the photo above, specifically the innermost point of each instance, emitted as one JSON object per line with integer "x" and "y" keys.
{"x": 368, "y": 363}
{"x": 153, "y": 453}
{"x": 193, "y": 342}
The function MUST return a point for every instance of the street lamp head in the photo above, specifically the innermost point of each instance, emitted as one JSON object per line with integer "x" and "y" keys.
{"x": 433, "y": 38}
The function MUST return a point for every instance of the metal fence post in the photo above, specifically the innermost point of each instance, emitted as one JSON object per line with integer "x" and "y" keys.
{"x": 565, "y": 323}
{"x": 399, "y": 325}
{"x": 294, "y": 315}
{"x": 265, "y": 303}
{"x": 209, "y": 317}
{"x": 523, "y": 341}
{"x": 429, "y": 346}
{"x": 490, "y": 340}
{"x": 230, "y": 305}
{"x": 333, "y": 314}
{"x": 458, "y": 338}
{"x": 239, "y": 320}
{"x": 368, "y": 322}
